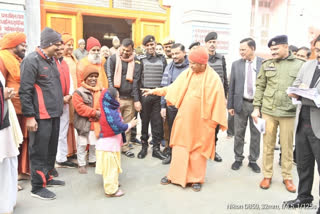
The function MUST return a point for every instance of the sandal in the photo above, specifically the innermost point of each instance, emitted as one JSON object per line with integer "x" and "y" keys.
{"x": 128, "y": 154}
{"x": 196, "y": 187}
{"x": 165, "y": 180}
{"x": 119, "y": 193}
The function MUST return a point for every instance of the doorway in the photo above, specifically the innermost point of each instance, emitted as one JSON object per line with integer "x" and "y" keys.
{"x": 104, "y": 29}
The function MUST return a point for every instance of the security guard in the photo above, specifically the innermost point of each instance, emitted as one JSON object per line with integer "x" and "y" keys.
{"x": 275, "y": 76}
{"x": 218, "y": 63}
{"x": 167, "y": 44}
{"x": 152, "y": 68}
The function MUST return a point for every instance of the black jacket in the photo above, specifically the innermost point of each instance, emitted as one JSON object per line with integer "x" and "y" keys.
{"x": 126, "y": 89}
{"x": 40, "y": 88}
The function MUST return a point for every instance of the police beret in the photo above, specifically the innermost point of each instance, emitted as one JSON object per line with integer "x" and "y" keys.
{"x": 194, "y": 44}
{"x": 168, "y": 40}
{"x": 148, "y": 38}
{"x": 282, "y": 39}
{"x": 211, "y": 36}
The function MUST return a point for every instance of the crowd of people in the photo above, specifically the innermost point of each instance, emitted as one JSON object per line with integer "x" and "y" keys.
{"x": 62, "y": 107}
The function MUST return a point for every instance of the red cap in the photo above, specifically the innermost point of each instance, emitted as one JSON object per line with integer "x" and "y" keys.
{"x": 91, "y": 42}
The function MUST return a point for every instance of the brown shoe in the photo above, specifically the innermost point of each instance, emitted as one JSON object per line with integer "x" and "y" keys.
{"x": 265, "y": 183}
{"x": 289, "y": 185}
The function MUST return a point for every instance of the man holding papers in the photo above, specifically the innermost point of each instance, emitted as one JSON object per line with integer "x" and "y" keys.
{"x": 274, "y": 78}
{"x": 307, "y": 131}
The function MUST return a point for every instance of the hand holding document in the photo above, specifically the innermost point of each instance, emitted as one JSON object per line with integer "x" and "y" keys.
{"x": 260, "y": 125}
{"x": 309, "y": 93}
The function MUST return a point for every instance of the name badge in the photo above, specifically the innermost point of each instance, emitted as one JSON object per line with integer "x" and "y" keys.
{"x": 270, "y": 69}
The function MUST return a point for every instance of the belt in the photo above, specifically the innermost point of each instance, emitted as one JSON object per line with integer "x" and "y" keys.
{"x": 125, "y": 98}
{"x": 248, "y": 100}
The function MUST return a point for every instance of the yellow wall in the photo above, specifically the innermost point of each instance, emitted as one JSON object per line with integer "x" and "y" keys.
{"x": 60, "y": 15}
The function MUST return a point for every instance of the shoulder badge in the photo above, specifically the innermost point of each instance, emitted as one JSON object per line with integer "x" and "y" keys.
{"x": 271, "y": 65}
{"x": 140, "y": 57}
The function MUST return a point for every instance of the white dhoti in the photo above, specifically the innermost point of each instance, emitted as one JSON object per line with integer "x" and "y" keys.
{"x": 62, "y": 150}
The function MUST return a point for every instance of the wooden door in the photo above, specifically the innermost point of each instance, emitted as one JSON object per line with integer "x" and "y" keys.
{"x": 62, "y": 23}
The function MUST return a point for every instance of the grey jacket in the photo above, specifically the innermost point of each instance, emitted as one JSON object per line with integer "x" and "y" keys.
{"x": 82, "y": 124}
{"x": 305, "y": 76}
{"x": 236, "y": 85}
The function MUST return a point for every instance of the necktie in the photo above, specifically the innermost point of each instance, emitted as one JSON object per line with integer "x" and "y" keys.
{"x": 249, "y": 80}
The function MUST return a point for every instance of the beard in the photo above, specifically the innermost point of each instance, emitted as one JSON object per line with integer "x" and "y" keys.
{"x": 21, "y": 54}
{"x": 94, "y": 58}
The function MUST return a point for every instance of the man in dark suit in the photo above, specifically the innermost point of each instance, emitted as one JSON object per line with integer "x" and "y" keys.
{"x": 241, "y": 92}
{"x": 307, "y": 127}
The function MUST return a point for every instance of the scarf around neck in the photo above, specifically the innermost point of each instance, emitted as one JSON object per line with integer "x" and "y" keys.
{"x": 12, "y": 63}
{"x": 118, "y": 69}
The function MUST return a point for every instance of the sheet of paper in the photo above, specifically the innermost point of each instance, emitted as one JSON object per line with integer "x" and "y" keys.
{"x": 260, "y": 125}
{"x": 309, "y": 93}
{"x": 295, "y": 101}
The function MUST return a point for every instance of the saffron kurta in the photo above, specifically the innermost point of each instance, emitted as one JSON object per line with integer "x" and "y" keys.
{"x": 10, "y": 68}
{"x": 72, "y": 144}
{"x": 200, "y": 100}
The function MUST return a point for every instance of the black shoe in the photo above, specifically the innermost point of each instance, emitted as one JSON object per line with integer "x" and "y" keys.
{"x": 236, "y": 165}
{"x": 254, "y": 167}
{"x": 128, "y": 154}
{"x": 196, "y": 187}
{"x": 44, "y": 194}
{"x": 66, "y": 164}
{"x": 53, "y": 172}
{"x": 156, "y": 153}
{"x": 167, "y": 160}
{"x": 144, "y": 151}
{"x": 296, "y": 203}
{"x": 74, "y": 156}
{"x": 92, "y": 164}
{"x": 217, "y": 158}
{"x": 166, "y": 151}
{"x": 54, "y": 182}
{"x": 165, "y": 180}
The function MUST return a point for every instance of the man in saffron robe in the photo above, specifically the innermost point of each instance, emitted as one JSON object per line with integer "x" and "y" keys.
{"x": 13, "y": 48}
{"x": 71, "y": 60}
{"x": 199, "y": 96}
{"x": 93, "y": 58}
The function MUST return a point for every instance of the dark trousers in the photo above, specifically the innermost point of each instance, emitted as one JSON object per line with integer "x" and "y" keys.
{"x": 42, "y": 151}
{"x": 307, "y": 151}
{"x": 133, "y": 134}
{"x": 171, "y": 115}
{"x": 230, "y": 131}
{"x": 151, "y": 113}
{"x": 240, "y": 122}
{"x": 216, "y": 134}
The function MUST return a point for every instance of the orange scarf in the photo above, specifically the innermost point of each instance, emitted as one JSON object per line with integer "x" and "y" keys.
{"x": 118, "y": 69}
{"x": 12, "y": 64}
{"x": 96, "y": 91}
{"x": 210, "y": 84}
